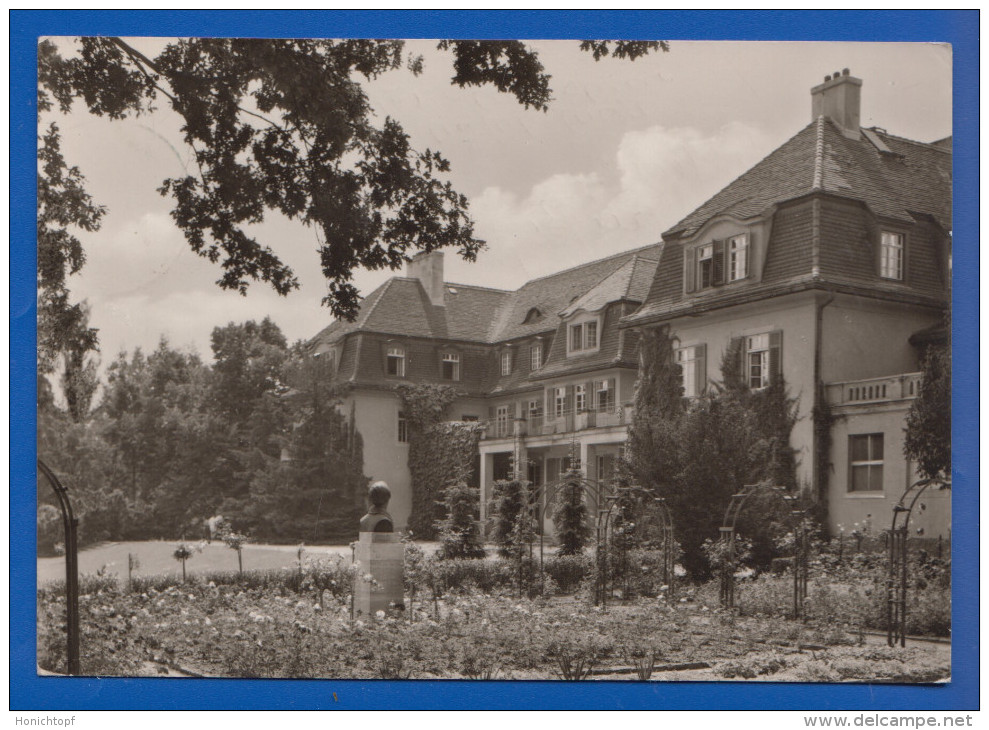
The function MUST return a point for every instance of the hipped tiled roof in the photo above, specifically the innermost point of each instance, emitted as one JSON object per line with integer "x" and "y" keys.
{"x": 912, "y": 178}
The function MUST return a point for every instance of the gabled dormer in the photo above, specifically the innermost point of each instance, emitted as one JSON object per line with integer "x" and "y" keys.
{"x": 725, "y": 253}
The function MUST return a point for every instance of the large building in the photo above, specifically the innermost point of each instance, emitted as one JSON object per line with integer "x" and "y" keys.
{"x": 828, "y": 263}
{"x": 538, "y": 365}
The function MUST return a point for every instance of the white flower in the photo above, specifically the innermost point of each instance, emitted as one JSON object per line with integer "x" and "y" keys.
{"x": 380, "y": 614}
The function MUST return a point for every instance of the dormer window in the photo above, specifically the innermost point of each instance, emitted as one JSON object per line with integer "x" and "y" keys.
{"x": 533, "y": 315}
{"x": 395, "y": 361}
{"x": 506, "y": 362}
{"x": 451, "y": 366}
{"x": 717, "y": 263}
{"x": 583, "y": 337}
{"x": 891, "y": 256}
{"x": 705, "y": 266}
{"x": 536, "y": 355}
{"x": 738, "y": 257}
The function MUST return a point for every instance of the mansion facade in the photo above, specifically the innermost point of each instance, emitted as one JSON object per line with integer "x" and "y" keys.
{"x": 828, "y": 263}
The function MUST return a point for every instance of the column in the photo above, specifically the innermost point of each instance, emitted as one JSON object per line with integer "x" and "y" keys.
{"x": 484, "y": 480}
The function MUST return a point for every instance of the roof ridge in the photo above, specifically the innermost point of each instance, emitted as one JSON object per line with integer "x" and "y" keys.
{"x": 478, "y": 286}
{"x": 384, "y": 290}
{"x": 633, "y": 251}
{"x": 680, "y": 223}
{"x": 819, "y": 156}
{"x": 927, "y": 145}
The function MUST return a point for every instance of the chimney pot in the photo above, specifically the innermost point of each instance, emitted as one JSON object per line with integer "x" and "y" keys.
{"x": 845, "y": 72}
{"x": 839, "y": 99}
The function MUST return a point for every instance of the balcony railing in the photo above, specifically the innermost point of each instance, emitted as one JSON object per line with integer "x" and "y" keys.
{"x": 549, "y": 424}
{"x": 874, "y": 390}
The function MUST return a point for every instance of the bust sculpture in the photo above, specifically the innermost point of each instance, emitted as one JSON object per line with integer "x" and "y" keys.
{"x": 377, "y": 518}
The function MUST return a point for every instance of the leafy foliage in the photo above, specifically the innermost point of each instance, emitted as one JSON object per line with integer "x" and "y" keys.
{"x": 573, "y": 528}
{"x": 928, "y": 437}
{"x": 698, "y": 456}
{"x": 174, "y": 440}
{"x": 459, "y": 535}
{"x": 441, "y": 453}
{"x": 284, "y": 125}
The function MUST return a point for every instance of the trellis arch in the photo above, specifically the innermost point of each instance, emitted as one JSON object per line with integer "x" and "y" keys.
{"x": 666, "y": 540}
{"x": 896, "y": 576}
{"x": 544, "y": 493}
{"x": 728, "y": 535}
{"x": 71, "y": 523}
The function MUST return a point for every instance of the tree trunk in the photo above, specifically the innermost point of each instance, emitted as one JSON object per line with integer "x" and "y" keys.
{"x": 183, "y": 571}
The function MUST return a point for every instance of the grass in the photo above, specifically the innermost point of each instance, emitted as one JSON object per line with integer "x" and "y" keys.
{"x": 156, "y": 558}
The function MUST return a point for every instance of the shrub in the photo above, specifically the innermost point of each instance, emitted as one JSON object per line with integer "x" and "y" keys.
{"x": 569, "y": 571}
{"x": 752, "y": 666}
{"x": 570, "y": 517}
{"x": 458, "y": 531}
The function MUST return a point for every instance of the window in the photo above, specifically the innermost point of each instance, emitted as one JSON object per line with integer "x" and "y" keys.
{"x": 403, "y": 428}
{"x": 502, "y": 421}
{"x": 580, "y": 398}
{"x": 705, "y": 266}
{"x": 396, "y": 361}
{"x": 536, "y": 356}
{"x": 576, "y": 337}
{"x": 716, "y": 263}
{"x": 738, "y": 257}
{"x": 533, "y": 315}
{"x": 535, "y": 408}
{"x": 506, "y": 362}
{"x": 451, "y": 366}
{"x": 757, "y": 361}
{"x": 583, "y": 336}
{"x": 865, "y": 459}
{"x": 693, "y": 369}
{"x": 604, "y": 395}
{"x": 559, "y": 402}
{"x": 891, "y": 256}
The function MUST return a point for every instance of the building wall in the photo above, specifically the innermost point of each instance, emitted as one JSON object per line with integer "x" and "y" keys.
{"x": 385, "y": 458}
{"x": 866, "y": 338}
{"x": 848, "y": 509}
{"x": 795, "y": 316}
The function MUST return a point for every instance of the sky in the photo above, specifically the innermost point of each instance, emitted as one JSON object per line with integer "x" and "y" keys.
{"x": 625, "y": 151}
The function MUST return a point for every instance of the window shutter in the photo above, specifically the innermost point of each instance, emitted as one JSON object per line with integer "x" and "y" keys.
{"x": 568, "y": 402}
{"x": 491, "y": 413}
{"x": 718, "y": 264}
{"x": 775, "y": 356}
{"x": 700, "y": 374}
{"x": 690, "y": 255}
{"x": 748, "y": 257}
{"x": 612, "y": 393}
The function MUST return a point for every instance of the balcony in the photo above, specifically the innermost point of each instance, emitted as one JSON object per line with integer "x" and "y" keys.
{"x": 563, "y": 423}
{"x": 874, "y": 390}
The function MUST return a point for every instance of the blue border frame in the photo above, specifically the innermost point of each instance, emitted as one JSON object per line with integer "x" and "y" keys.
{"x": 29, "y": 692}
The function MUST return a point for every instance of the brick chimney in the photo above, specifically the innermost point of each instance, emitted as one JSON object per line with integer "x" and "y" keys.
{"x": 428, "y": 269}
{"x": 839, "y": 99}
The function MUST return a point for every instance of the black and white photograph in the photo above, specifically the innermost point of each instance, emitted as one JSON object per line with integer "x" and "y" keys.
{"x": 603, "y": 360}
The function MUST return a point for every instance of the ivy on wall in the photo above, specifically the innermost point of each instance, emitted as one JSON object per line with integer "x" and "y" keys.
{"x": 441, "y": 453}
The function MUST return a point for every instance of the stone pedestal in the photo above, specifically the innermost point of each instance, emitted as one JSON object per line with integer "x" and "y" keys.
{"x": 382, "y": 554}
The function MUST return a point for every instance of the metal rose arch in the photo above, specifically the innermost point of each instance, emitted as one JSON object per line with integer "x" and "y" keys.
{"x": 897, "y": 564}
{"x": 71, "y": 525}
{"x": 648, "y": 506}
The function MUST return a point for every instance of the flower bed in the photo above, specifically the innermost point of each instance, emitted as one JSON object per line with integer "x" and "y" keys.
{"x": 267, "y": 628}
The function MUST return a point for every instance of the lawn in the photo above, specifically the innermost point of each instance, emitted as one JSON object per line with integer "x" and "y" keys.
{"x": 155, "y": 558}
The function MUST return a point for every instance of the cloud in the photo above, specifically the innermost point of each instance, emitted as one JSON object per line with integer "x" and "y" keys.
{"x": 659, "y": 175}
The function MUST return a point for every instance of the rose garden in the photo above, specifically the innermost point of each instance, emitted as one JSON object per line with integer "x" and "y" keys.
{"x": 609, "y": 603}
